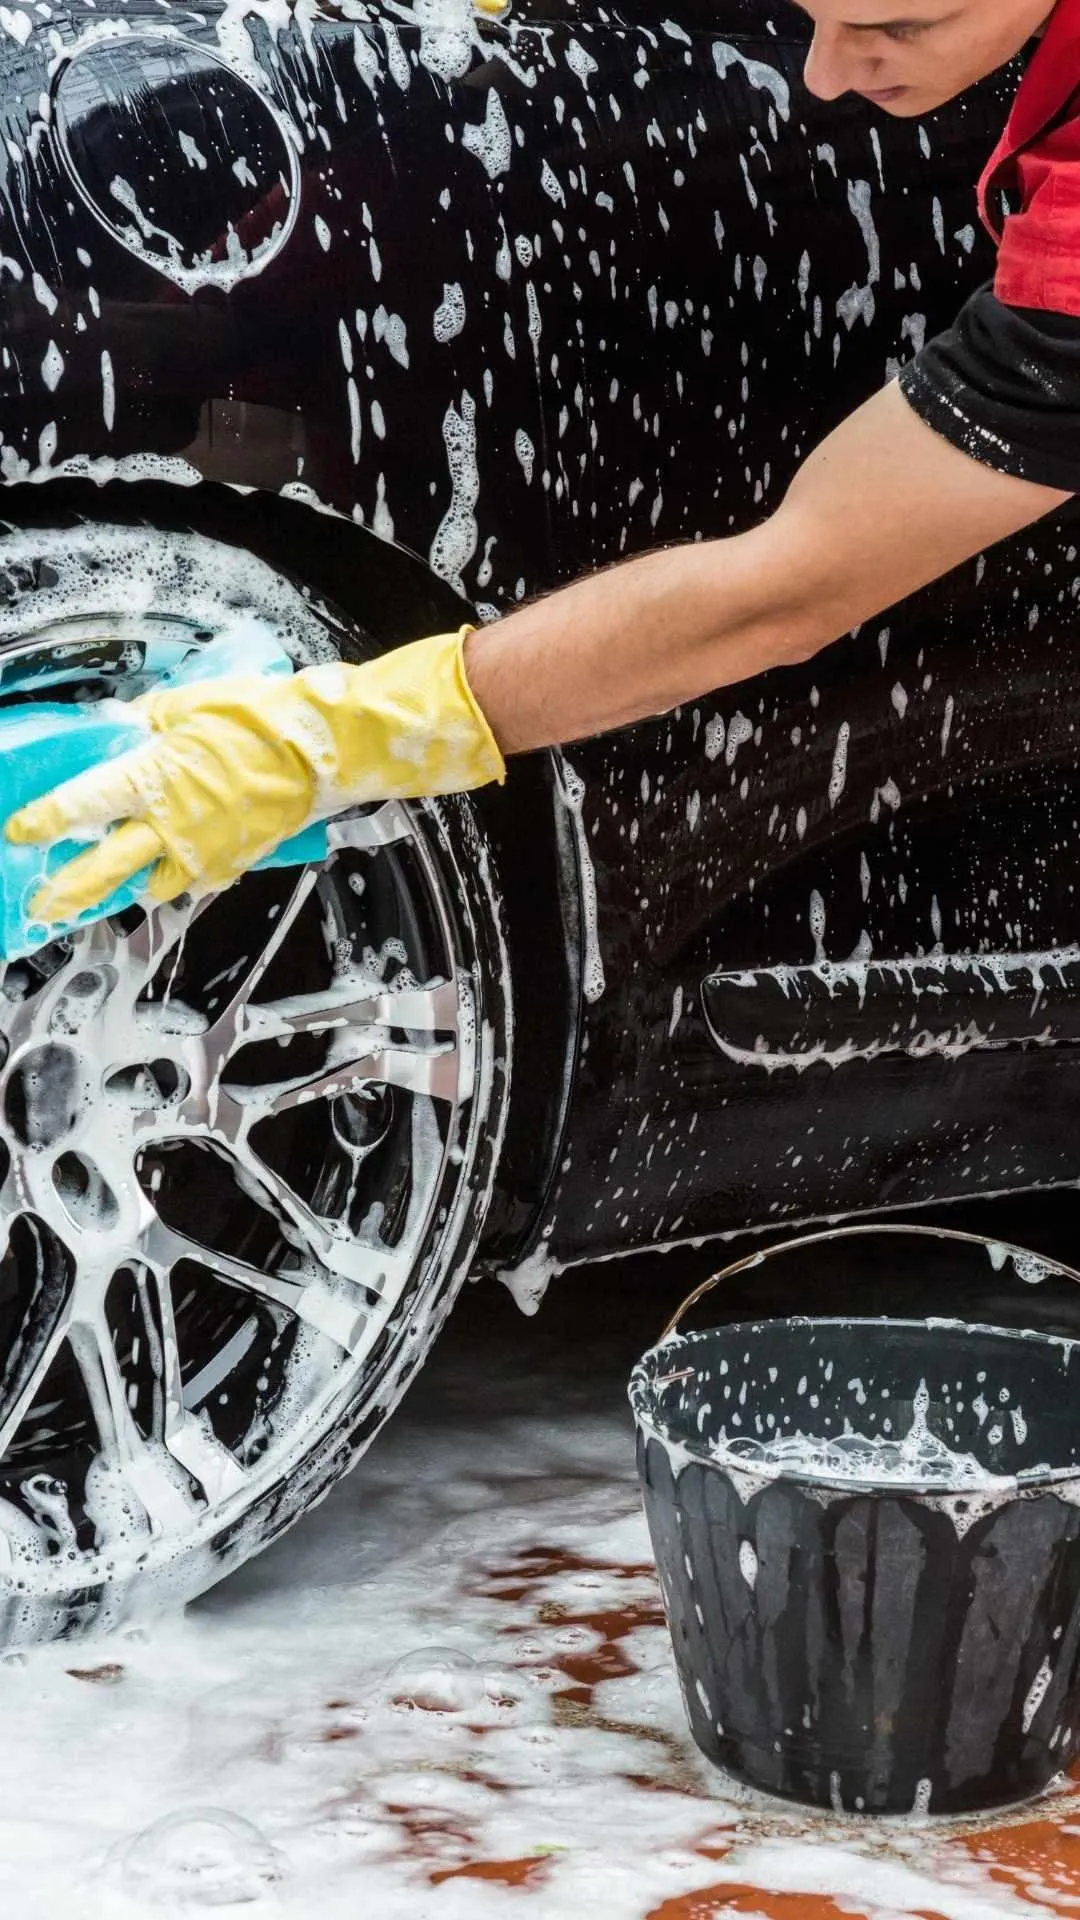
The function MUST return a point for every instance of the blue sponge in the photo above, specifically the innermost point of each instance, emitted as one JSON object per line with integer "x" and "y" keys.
{"x": 45, "y": 743}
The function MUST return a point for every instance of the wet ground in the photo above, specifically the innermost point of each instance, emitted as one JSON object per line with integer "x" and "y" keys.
{"x": 449, "y": 1693}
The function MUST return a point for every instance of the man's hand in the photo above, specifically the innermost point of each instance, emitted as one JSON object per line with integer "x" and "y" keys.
{"x": 883, "y": 506}
{"x": 233, "y": 766}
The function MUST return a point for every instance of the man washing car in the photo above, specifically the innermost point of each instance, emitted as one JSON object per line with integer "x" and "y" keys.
{"x": 978, "y": 437}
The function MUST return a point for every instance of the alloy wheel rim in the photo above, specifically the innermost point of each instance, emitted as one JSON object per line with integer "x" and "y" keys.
{"x": 123, "y": 1055}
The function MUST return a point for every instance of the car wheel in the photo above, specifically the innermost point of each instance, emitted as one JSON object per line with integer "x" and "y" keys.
{"x": 245, "y": 1142}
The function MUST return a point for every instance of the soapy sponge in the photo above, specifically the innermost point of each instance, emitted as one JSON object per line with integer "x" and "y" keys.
{"x": 44, "y": 743}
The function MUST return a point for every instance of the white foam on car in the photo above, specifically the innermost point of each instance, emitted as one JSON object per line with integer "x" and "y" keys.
{"x": 572, "y": 791}
{"x": 143, "y": 574}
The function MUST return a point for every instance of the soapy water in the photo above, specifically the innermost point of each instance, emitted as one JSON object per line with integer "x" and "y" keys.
{"x": 452, "y": 1694}
{"x": 917, "y": 1458}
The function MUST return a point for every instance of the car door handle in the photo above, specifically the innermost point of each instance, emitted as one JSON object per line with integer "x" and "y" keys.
{"x": 943, "y": 1003}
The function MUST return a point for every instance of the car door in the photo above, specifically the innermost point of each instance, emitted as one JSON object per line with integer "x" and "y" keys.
{"x": 835, "y": 907}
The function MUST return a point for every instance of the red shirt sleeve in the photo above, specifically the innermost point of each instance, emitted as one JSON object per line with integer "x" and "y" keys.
{"x": 1039, "y": 253}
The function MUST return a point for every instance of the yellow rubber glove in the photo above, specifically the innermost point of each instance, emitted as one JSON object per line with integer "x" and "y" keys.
{"x": 235, "y": 765}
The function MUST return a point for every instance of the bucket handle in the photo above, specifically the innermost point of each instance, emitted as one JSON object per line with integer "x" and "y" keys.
{"x": 850, "y": 1233}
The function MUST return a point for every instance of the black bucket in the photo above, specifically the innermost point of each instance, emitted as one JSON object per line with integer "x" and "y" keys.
{"x": 885, "y": 1627}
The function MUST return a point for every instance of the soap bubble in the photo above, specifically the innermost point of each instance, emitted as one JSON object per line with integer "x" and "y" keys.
{"x": 434, "y": 1680}
{"x": 201, "y": 1857}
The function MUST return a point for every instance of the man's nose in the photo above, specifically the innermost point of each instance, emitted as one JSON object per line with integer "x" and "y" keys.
{"x": 828, "y": 72}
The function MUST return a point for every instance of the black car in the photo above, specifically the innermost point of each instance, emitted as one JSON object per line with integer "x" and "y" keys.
{"x": 355, "y": 321}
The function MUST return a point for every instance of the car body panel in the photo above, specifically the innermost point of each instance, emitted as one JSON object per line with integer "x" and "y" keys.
{"x": 547, "y": 291}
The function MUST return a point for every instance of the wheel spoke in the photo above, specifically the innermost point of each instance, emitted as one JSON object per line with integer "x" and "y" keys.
{"x": 220, "y": 1038}
{"x": 187, "y": 1437}
{"x": 41, "y": 1334}
{"x": 348, "y": 1325}
{"x": 17, "y": 1394}
{"x": 207, "y": 1107}
{"x": 342, "y": 1252}
{"x": 168, "y": 1502}
{"x": 166, "y": 1246}
{"x": 345, "y": 1322}
{"x": 145, "y": 945}
{"x": 435, "y": 1009}
{"x": 434, "y": 1071}
{"x": 384, "y": 826}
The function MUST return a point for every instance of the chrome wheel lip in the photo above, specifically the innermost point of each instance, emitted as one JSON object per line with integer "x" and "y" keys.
{"x": 381, "y": 829}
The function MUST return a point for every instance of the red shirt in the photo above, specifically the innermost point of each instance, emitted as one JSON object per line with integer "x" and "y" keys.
{"x": 1003, "y": 382}
{"x": 1037, "y": 162}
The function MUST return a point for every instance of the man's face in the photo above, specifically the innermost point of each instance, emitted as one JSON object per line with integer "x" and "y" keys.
{"x": 910, "y": 56}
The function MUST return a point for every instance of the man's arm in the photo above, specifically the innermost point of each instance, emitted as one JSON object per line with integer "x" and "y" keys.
{"x": 233, "y": 766}
{"x": 882, "y": 507}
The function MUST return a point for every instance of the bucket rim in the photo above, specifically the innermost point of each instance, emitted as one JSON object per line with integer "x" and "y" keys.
{"x": 1030, "y": 1266}
{"x": 1029, "y": 1483}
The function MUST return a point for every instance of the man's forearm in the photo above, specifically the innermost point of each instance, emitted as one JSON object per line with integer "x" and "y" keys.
{"x": 882, "y": 507}
{"x": 633, "y": 640}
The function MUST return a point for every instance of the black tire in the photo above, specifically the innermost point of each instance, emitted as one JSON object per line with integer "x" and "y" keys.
{"x": 252, "y": 1376}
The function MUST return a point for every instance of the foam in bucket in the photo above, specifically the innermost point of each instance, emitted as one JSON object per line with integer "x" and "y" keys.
{"x": 45, "y": 743}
